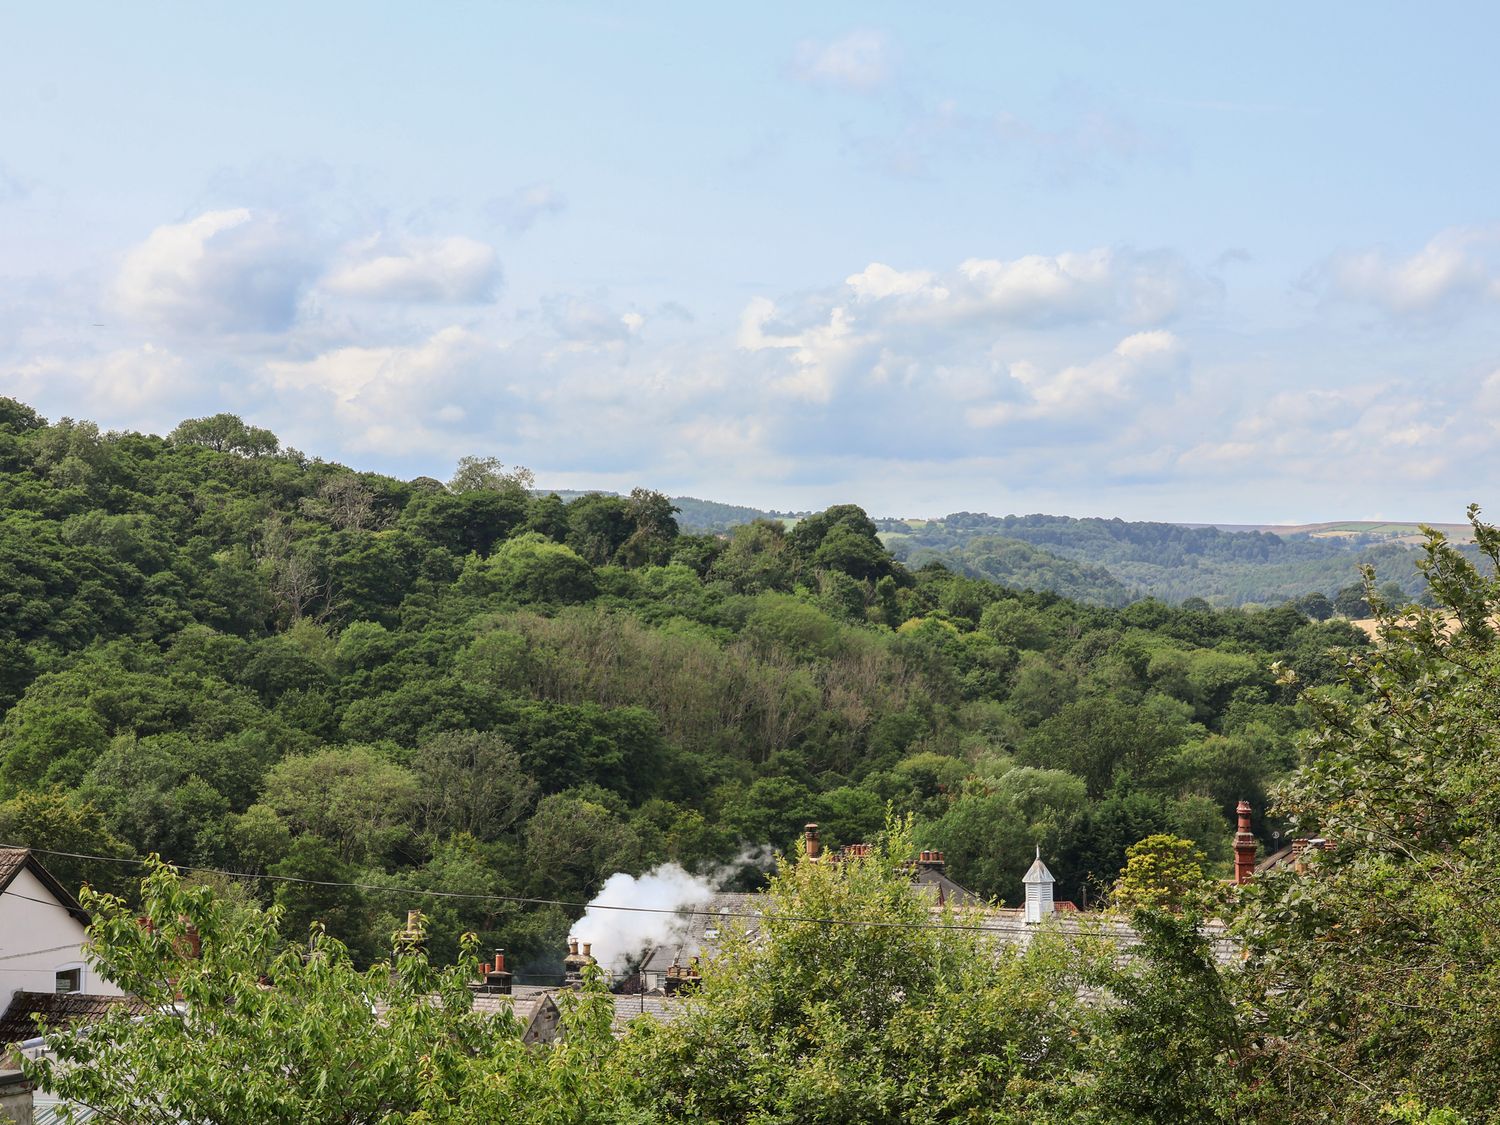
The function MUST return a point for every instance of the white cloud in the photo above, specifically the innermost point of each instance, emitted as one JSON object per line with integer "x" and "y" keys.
{"x": 878, "y": 280}
{"x": 1488, "y": 398}
{"x": 224, "y": 271}
{"x": 588, "y": 324}
{"x": 1143, "y": 366}
{"x": 452, "y": 270}
{"x": 1104, "y": 285}
{"x": 129, "y": 386}
{"x": 886, "y": 325}
{"x": 1365, "y": 431}
{"x": 521, "y": 209}
{"x": 819, "y": 354}
{"x": 859, "y": 61}
{"x": 398, "y": 399}
{"x": 1456, "y": 266}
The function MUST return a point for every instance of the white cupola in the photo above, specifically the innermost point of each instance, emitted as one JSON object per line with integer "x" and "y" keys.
{"x": 1038, "y": 882}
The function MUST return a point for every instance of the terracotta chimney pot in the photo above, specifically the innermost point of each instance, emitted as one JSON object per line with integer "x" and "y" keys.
{"x": 813, "y": 840}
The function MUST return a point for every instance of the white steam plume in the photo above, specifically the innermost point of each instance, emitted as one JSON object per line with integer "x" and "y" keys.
{"x": 620, "y": 936}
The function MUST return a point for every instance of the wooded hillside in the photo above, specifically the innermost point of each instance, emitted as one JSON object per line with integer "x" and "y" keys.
{"x": 238, "y": 656}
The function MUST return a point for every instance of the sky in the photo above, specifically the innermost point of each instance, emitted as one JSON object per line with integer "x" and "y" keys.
{"x": 1180, "y": 262}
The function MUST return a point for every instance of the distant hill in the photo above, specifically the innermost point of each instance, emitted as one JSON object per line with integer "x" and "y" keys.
{"x": 695, "y": 515}
{"x": 1168, "y": 561}
{"x": 1365, "y": 531}
{"x": 1113, "y": 562}
{"x": 1023, "y": 566}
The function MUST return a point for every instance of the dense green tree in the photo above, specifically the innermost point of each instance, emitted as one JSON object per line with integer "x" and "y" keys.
{"x": 1351, "y": 601}
{"x": 239, "y": 1029}
{"x": 888, "y": 1019}
{"x": 1376, "y": 963}
{"x": 755, "y": 560}
{"x": 226, "y": 433}
{"x": 529, "y": 568}
{"x": 354, "y": 798}
{"x": 598, "y": 526}
{"x": 488, "y": 474}
{"x": 55, "y": 823}
{"x": 470, "y": 784}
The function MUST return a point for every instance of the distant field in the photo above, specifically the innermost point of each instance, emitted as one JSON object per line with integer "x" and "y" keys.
{"x": 1353, "y": 529}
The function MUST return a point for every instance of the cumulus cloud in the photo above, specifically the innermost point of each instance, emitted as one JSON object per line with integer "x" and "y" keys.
{"x": 1037, "y": 290}
{"x": 892, "y": 325}
{"x": 819, "y": 353}
{"x": 127, "y": 386}
{"x": 234, "y": 270}
{"x": 399, "y": 399}
{"x": 1136, "y": 287}
{"x": 1455, "y": 268}
{"x": 452, "y": 270}
{"x": 1146, "y": 364}
{"x": 859, "y": 61}
{"x": 878, "y": 280}
{"x": 521, "y": 209}
{"x": 586, "y": 323}
{"x": 1366, "y": 428}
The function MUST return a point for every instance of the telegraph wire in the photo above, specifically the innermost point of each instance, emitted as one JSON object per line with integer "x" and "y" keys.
{"x": 523, "y": 900}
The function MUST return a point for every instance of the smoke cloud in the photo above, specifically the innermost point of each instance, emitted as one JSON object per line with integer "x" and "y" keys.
{"x": 621, "y": 936}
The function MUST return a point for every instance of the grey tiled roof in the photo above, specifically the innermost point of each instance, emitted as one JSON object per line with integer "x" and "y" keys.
{"x": 703, "y": 930}
{"x": 525, "y": 999}
{"x": 60, "y": 1009}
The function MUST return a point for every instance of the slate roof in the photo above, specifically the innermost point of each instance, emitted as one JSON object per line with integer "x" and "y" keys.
{"x": 526, "y": 999}
{"x": 15, "y": 860}
{"x": 60, "y": 1009}
{"x": 701, "y": 931}
{"x": 933, "y": 882}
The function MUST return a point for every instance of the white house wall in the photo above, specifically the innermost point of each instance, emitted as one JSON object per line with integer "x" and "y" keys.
{"x": 40, "y": 939}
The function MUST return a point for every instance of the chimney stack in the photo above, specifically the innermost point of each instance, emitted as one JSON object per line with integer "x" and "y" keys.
{"x": 573, "y": 964}
{"x": 1244, "y": 847}
{"x": 931, "y": 861}
{"x": 814, "y": 842}
{"x": 681, "y": 978}
{"x": 496, "y": 978}
{"x": 412, "y": 938}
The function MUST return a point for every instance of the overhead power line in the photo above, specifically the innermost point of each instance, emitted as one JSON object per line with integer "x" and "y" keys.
{"x": 524, "y": 900}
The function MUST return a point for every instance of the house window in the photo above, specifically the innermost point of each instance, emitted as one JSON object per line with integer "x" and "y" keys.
{"x": 69, "y": 980}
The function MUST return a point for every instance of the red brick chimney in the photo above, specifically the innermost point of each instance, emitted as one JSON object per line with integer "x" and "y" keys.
{"x": 814, "y": 841}
{"x": 1244, "y": 847}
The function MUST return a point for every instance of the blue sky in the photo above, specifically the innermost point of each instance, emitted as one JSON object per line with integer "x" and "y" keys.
{"x": 1154, "y": 261}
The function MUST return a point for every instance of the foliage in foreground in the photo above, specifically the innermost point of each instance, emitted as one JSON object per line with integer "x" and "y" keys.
{"x": 1377, "y": 965}
{"x": 895, "y": 1015}
{"x": 903, "y": 1016}
{"x": 253, "y": 1031}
